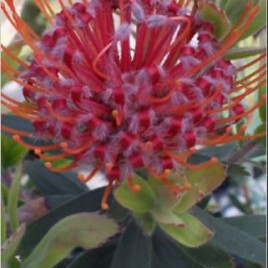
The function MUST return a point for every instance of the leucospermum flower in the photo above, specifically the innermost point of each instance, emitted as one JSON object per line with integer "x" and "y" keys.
{"x": 141, "y": 93}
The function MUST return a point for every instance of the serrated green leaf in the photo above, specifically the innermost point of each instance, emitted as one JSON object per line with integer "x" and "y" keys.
{"x": 212, "y": 13}
{"x": 86, "y": 230}
{"x": 11, "y": 244}
{"x": 86, "y": 202}
{"x": 193, "y": 234}
{"x": 232, "y": 239}
{"x": 141, "y": 201}
{"x": 203, "y": 182}
{"x": 166, "y": 200}
{"x": 11, "y": 152}
{"x": 133, "y": 249}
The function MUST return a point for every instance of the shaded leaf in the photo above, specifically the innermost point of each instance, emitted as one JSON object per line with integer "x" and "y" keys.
{"x": 99, "y": 257}
{"x": 87, "y": 202}
{"x": 86, "y": 230}
{"x": 141, "y": 201}
{"x": 133, "y": 250}
{"x": 193, "y": 234}
{"x": 254, "y": 225}
{"x": 32, "y": 210}
{"x": 209, "y": 255}
{"x": 53, "y": 201}
{"x": 232, "y": 239}
{"x": 146, "y": 222}
{"x": 166, "y": 253}
{"x": 51, "y": 183}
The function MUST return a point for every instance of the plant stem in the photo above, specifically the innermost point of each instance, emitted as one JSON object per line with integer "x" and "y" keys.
{"x": 3, "y": 222}
{"x": 13, "y": 197}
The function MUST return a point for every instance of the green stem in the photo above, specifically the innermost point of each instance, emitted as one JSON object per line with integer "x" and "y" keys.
{"x": 3, "y": 222}
{"x": 13, "y": 196}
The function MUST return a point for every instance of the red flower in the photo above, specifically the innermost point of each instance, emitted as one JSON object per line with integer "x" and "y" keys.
{"x": 141, "y": 94}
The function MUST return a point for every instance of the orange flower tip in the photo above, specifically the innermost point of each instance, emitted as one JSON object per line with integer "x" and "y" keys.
{"x": 263, "y": 97}
{"x": 214, "y": 160}
{"x": 48, "y": 165}
{"x": 80, "y": 176}
{"x": 187, "y": 186}
{"x": 109, "y": 166}
{"x": 193, "y": 150}
{"x": 104, "y": 206}
{"x": 167, "y": 172}
{"x": 63, "y": 145}
{"x": 228, "y": 130}
{"x": 115, "y": 113}
{"x": 177, "y": 82}
{"x": 16, "y": 137}
{"x": 148, "y": 146}
{"x": 37, "y": 151}
{"x": 136, "y": 188}
{"x": 249, "y": 5}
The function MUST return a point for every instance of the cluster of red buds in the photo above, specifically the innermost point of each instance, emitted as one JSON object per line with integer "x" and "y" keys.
{"x": 129, "y": 84}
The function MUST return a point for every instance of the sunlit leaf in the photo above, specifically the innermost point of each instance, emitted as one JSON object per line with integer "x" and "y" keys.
{"x": 193, "y": 234}
{"x": 203, "y": 182}
{"x": 141, "y": 201}
{"x": 11, "y": 152}
{"x": 86, "y": 230}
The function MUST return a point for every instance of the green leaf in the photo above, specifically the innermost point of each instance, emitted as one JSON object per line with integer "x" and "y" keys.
{"x": 212, "y": 13}
{"x": 234, "y": 9}
{"x": 96, "y": 258}
{"x": 209, "y": 255}
{"x": 203, "y": 182}
{"x": 243, "y": 52}
{"x": 11, "y": 152}
{"x": 263, "y": 108}
{"x": 253, "y": 225}
{"x": 166, "y": 200}
{"x": 3, "y": 221}
{"x": 141, "y": 201}
{"x": 146, "y": 222}
{"x": 232, "y": 239}
{"x": 13, "y": 195}
{"x": 243, "y": 207}
{"x": 11, "y": 244}
{"x": 51, "y": 183}
{"x": 166, "y": 253}
{"x": 168, "y": 217}
{"x": 193, "y": 234}
{"x": 86, "y": 202}
{"x": 133, "y": 250}
{"x": 86, "y": 230}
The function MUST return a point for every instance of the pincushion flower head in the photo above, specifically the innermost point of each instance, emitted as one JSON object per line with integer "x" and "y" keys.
{"x": 129, "y": 84}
